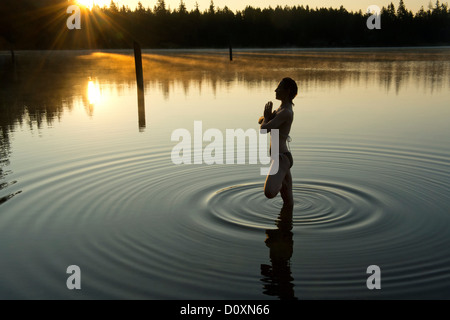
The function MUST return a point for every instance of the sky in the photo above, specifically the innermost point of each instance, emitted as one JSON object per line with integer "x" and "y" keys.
{"x": 351, "y": 5}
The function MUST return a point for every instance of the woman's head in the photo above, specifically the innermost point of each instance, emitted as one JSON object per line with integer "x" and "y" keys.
{"x": 286, "y": 90}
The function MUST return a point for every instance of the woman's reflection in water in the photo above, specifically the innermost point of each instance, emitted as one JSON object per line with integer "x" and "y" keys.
{"x": 277, "y": 277}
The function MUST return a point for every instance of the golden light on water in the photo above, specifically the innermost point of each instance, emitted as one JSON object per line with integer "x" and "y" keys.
{"x": 93, "y": 92}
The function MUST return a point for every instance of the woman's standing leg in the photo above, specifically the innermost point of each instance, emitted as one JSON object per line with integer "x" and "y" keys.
{"x": 286, "y": 189}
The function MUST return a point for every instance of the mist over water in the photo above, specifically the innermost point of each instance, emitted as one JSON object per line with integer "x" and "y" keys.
{"x": 86, "y": 176}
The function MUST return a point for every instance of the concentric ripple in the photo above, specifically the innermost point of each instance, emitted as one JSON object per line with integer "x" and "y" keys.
{"x": 316, "y": 205}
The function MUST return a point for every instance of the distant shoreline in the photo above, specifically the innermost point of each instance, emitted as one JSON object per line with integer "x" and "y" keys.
{"x": 237, "y": 50}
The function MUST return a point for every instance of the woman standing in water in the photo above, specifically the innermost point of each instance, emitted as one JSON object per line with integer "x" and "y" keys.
{"x": 281, "y": 119}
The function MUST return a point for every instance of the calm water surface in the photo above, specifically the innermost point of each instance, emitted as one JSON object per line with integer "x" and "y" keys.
{"x": 86, "y": 176}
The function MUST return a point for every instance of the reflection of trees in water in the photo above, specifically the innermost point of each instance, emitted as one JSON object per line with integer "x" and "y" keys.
{"x": 34, "y": 93}
{"x": 195, "y": 70}
{"x": 4, "y": 162}
{"x": 310, "y": 69}
{"x": 5, "y": 126}
{"x": 44, "y": 84}
{"x": 48, "y": 83}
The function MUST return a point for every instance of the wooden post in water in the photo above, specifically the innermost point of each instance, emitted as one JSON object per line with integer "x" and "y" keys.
{"x": 14, "y": 65}
{"x": 231, "y": 53}
{"x": 140, "y": 85}
{"x": 13, "y": 58}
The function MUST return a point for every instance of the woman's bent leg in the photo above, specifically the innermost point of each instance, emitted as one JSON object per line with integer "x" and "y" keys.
{"x": 274, "y": 182}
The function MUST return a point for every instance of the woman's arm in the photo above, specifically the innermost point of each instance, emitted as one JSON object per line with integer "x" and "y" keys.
{"x": 261, "y": 119}
{"x": 276, "y": 122}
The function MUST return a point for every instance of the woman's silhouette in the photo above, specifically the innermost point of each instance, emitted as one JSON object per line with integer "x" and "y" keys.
{"x": 281, "y": 119}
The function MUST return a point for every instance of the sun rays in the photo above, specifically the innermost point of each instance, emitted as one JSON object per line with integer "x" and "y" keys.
{"x": 96, "y": 25}
{"x": 90, "y": 3}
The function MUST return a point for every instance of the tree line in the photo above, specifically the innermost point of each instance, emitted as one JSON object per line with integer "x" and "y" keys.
{"x": 30, "y": 24}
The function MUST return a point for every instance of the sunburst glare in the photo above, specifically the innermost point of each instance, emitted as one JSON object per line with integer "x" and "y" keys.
{"x": 90, "y": 3}
{"x": 86, "y": 3}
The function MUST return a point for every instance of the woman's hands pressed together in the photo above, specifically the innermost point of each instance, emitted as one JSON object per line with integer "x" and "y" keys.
{"x": 268, "y": 110}
{"x": 268, "y": 114}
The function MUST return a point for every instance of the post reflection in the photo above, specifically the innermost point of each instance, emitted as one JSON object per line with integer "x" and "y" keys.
{"x": 277, "y": 277}
{"x": 140, "y": 85}
{"x": 141, "y": 110}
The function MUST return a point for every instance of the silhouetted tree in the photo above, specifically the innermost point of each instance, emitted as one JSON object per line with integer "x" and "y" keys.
{"x": 41, "y": 25}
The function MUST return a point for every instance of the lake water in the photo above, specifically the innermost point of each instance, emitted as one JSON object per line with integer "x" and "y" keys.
{"x": 87, "y": 177}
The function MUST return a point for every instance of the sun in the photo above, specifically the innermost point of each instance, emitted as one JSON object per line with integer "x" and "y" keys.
{"x": 86, "y": 3}
{"x": 90, "y": 3}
